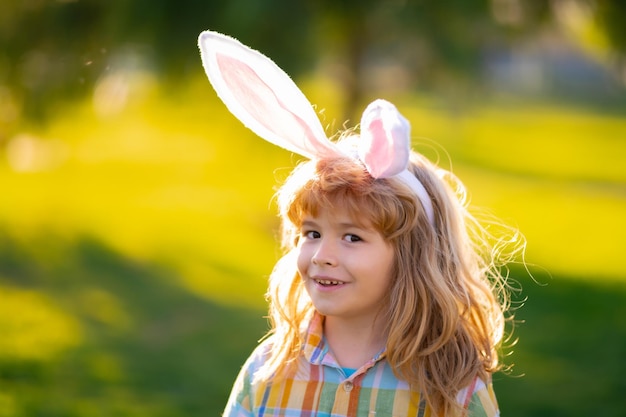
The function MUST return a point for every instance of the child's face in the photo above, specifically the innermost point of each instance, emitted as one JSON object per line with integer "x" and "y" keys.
{"x": 346, "y": 267}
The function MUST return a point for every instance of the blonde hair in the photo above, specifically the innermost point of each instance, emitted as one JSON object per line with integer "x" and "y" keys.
{"x": 446, "y": 303}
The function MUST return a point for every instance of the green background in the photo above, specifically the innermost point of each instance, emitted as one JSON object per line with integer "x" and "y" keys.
{"x": 137, "y": 231}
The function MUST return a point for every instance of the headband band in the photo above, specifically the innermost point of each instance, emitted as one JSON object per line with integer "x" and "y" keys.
{"x": 268, "y": 102}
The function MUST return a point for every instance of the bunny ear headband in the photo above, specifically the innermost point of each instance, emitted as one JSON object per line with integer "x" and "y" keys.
{"x": 268, "y": 102}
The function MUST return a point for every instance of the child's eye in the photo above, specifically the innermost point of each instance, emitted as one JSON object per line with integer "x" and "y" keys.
{"x": 352, "y": 238}
{"x": 311, "y": 234}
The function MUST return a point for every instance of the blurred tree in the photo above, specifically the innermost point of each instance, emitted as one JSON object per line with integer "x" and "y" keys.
{"x": 54, "y": 49}
{"x": 611, "y": 16}
{"x": 438, "y": 44}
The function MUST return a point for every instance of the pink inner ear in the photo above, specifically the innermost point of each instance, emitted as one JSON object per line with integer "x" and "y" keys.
{"x": 263, "y": 105}
{"x": 379, "y": 156}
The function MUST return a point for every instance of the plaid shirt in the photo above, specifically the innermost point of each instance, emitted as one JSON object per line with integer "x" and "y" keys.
{"x": 320, "y": 388}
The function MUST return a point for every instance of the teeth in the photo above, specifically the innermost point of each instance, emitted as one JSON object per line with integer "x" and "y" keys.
{"x": 327, "y": 282}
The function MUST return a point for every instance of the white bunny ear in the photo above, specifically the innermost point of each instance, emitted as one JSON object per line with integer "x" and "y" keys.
{"x": 385, "y": 148}
{"x": 385, "y": 140}
{"x": 262, "y": 96}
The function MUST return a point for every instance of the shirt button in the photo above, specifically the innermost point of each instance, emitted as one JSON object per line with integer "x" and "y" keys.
{"x": 348, "y": 385}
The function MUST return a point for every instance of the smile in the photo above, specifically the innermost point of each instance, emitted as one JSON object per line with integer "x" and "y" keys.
{"x": 327, "y": 282}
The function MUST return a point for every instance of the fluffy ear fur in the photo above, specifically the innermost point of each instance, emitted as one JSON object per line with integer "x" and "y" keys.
{"x": 262, "y": 96}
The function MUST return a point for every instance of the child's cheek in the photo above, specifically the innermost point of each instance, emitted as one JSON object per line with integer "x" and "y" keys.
{"x": 303, "y": 260}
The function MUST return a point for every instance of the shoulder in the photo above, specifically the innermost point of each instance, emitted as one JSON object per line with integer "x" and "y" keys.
{"x": 479, "y": 399}
{"x": 241, "y": 400}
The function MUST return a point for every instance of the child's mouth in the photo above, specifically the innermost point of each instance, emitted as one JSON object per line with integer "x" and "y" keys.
{"x": 327, "y": 282}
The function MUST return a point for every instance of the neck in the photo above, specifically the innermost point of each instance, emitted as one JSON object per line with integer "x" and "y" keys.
{"x": 354, "y": 342}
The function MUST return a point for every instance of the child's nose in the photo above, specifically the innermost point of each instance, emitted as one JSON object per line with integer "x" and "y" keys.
{"x": 325, "y": 253}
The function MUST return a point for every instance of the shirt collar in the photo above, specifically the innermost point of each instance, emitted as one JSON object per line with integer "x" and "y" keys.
{"x": 316, "y": 350}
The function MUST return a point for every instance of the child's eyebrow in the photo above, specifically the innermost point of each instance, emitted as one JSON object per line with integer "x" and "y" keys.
{"x": 309, "y": 223}
{"x": 351, "y": 225}
{"x": 344, "y": 225}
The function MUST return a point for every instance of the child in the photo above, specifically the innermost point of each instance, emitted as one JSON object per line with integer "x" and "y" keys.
{"x": 387, "y": 301}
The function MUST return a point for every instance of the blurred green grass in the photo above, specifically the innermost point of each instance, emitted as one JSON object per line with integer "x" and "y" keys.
{"x": 135, "y": 242}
